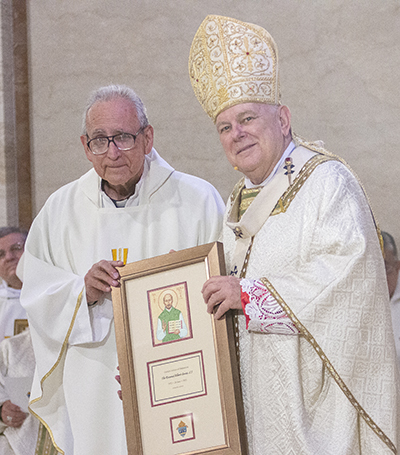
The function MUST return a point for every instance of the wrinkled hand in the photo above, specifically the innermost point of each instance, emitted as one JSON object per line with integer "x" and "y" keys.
{"x": 12, "y": 415}
{"x": 223, "y": 291}
{"x": 100, "y": 278}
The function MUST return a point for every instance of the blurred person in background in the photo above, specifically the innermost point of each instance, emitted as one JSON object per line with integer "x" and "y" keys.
{"x": 12, "y": 240}
{"x": 392, "y": 266}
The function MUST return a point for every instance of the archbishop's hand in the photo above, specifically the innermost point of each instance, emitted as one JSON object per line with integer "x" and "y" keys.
{"x": 100, "y": 278}
{"x": 12, "y": 415}
{"x": 223, "y": 291}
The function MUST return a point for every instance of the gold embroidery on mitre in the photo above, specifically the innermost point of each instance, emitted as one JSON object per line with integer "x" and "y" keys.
{"x": 233, "y": 62}
{"x": 223, "y": 95}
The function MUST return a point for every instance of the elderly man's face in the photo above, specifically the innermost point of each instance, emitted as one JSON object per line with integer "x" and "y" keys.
{"x": 254, "y": 137}
{"x": 392, "y": 266}
{"x": 11, "y": 249}
{"x": 116, "y": 167}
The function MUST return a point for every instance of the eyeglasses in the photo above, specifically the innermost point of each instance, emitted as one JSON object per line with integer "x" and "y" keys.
{"x": 16, "y": 248}
{"x": 123, "y": 141}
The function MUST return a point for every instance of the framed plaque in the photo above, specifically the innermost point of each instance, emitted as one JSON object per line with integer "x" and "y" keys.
{"x": 179, "y": 374}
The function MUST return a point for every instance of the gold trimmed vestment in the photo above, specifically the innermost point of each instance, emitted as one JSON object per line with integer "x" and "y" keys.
{"x": 331, "y": 389}
{"x": 74, "y": 392}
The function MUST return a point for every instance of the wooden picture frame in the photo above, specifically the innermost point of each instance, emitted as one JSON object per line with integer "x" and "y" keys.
{"x": 180, "y": 381}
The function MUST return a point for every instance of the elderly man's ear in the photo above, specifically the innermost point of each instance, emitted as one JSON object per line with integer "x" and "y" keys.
{"x": 285, "y": 119}
{"x": 148, "y": 134}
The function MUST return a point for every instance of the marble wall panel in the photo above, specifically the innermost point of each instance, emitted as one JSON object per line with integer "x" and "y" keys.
{"x": 15, "y": 175}
{"x": 3, "y": 200}
{"x": 338, "y": 59}
{"x": 8, "y": 187}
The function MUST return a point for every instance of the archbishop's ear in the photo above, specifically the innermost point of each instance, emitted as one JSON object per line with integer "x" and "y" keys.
{"x": 285, "y": 119}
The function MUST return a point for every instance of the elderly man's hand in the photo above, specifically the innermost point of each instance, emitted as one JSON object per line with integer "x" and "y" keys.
{"x": 223, "y": 291}
{"x": 100, "y": 278}
{"x": 12, "y": 415}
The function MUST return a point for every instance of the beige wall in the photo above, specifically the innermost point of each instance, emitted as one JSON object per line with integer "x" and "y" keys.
{"x": 339, "y": 68}
{"x": 3, "y": 162}
{"x": 15, "y": 185}
{"x": 3, "y": 205}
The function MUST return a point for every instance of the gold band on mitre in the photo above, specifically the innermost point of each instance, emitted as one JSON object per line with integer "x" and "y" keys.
{"x": 233, "y": 62}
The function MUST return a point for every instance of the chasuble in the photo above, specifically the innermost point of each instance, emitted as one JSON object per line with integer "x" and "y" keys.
{"x": 74, "y": 391}
{"x": 326, "y": 382}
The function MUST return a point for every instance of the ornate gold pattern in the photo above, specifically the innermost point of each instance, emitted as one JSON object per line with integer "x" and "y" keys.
{"x": 247, "y": 196}
{"x": 236, "y": 190}
{"x": 285, "y": 200}
{"x": 233, "y": 62}
{"x": 307, "y": 335}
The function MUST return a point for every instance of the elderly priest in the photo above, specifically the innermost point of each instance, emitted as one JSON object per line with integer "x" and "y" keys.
{"x": 132, "y": 205}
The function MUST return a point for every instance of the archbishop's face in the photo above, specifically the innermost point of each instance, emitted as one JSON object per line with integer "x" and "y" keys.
{"x": 254, "y": 137}
{"x": 107, "y": 118}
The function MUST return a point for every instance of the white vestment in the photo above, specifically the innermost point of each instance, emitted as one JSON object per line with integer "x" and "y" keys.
{"x": 10, "y": 310}
{"x": 17, "y": 361}
{"x": 318, "y": 254}
{"x": 74, "y": 391}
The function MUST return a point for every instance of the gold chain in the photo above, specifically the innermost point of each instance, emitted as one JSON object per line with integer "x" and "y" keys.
{"x": 236, "y": 316}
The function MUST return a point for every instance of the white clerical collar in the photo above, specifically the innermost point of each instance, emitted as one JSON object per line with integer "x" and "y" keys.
{"x": 286, "y": 153}
{"x": 8, "y": 292}
{"x": 131, "y": 201}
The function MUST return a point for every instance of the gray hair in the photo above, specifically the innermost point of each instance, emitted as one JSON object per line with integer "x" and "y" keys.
{"x": 111, "y": 92}
{"x": 7, "y": 230}
{"x": 389, "y": 243}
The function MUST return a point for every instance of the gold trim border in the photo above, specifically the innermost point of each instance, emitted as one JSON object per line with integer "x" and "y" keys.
{"x": 63, "y": 349}
{"x": 335, "y": 375}
{"x": 286, "y": 199}
{"x": 316, "y": 147}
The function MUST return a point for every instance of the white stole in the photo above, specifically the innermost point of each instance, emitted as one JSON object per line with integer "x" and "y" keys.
{"x": 260, "y": 209}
